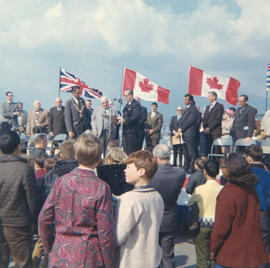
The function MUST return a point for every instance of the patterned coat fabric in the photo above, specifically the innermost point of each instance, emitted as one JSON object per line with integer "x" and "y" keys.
{"x": 80, "y": 205}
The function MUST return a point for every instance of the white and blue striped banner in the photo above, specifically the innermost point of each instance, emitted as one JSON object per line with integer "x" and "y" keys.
{"x": 268, "y": 77}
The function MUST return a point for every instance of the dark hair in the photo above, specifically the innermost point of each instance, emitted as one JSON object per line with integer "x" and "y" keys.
{"x": 40, "y": 138}
{"x": 190, "y": 97}
{"x": 232, "y": 108}
{"x": 129, "y": 91}
{"x": 5, "y": 127}
{"x": 266, "y": 161}
{"x": 9, "y": 92}
{"x": 211, "y": 167}
{"x": 200, "y": 161}
{"x": 146, "y": 160}
{"x": 154, "y": 103}
{"x": 49, "y": 163}
{"x": 255, "y": 152}
{"x": 239, "y": 171}
{"x": 19, "y": 102}
{"x": 213, "y": 93}
{"x": 39, "y": 160}
{"x": 9, "y": 141}
{"x": 75, "y": 88}
{"x": 245, "y": 97}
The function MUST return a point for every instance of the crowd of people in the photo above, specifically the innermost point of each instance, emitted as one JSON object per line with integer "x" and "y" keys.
{"x": 94, "y": 203}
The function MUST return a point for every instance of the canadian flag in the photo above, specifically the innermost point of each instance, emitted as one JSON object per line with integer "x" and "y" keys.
{"x": 201, "y": 83}
{"x": 143, "y": 88}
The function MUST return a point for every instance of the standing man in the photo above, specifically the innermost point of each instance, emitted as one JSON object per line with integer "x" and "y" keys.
{"x": 189, "y": 130}
{"x": 153, "y": 125}
{"x": 9, "y": 111}
{"x": 75, "y": 113}
{"x": 244, "y": 120}
{"x": 102, "y": 122}
{"x": 179, "y": 146}
{"x": 57, "y": 119}
{"x": 130, "y": 120}
{"x": 19, "y": 203}
{"x": 212, "y": 120}
{"x": 38, "y": 120}
{"x": 89, "y": 114}
{"x": 141, "y": 124}
{"x": 22, "y": 118}
{"x": 168, "y": 181}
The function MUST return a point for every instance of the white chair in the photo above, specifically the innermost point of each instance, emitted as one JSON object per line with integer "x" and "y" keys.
{"x": 243, "y": 143}
{"x": 266, "y": 146}
{"x": 222, "y": 142}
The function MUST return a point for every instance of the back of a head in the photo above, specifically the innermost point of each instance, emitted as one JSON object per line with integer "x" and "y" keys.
{"x": 9, "y": 141}
{"x": 39, "y": 160}
{"x": 211, "y": 167}
{"x": 40, "y": 138}
{"x": 66, "y": 149}
{"x": 162, "y": 151}
{"x": 145, "y": 160}
{"x": 49, "y": 163}
{"x": 255, "y": 151}
{"x": 199, "y": 162}
{"x": 239, "y": 171}
{"x": 116, "y": 155}
{"x": 88, "y": 149}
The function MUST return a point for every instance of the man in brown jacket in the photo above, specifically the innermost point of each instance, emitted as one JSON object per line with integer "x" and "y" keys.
{"x": 19, "y": 202}
{"x": 153, "y": 125}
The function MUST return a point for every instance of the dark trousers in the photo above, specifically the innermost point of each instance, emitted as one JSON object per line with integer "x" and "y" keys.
{"x": 191, "y": 144}
{"x": 141, "y": 134}
{"x": 202, "y": 248}
{"x": 16, "y": 241}
{"x": 104, "y": 138}
{"x": 130, "y": 142}
{"x": 209, "y": 139}
{"x": 180, "y": 150}
{"x": 166, "y": 241}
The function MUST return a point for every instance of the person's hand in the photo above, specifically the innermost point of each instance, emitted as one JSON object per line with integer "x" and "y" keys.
{"x": 51, "y": 134}
{"x": 150, "y": 131}
{"x": 71, "y": 134}
{"x": 95, "y": 132}
{"x": 207, "y": 130}
{"x": 120, "y": 119}
{"x": 247, "y": 139}
{"x": 212, "y": 256}
{"x": 16, "y": 113}
{"x": 263, "y": 134}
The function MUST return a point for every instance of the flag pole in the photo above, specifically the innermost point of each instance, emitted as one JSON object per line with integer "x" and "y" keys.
{"x": 59, "y": 82}
{"x": 266, "y": 100}
{"x": 120, "y": 97}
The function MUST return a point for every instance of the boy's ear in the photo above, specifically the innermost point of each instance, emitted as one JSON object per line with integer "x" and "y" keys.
{"x": 141, "y": 172}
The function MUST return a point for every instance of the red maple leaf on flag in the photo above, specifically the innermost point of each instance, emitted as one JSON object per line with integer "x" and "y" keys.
{"x": 213, "y": 83}
{"x": 145, "y": 85}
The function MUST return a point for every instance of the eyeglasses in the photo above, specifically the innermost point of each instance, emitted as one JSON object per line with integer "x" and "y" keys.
{"x": 179, "y": 110}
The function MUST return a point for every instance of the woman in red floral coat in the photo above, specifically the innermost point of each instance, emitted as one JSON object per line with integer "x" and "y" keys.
{"x": 76, "y": 223}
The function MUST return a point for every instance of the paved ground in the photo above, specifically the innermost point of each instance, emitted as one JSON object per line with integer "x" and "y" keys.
{"x": 185, "y": 253}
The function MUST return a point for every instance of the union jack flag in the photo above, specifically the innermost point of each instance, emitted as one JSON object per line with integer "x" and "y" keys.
{"x": 268, "y": 77}
{"x": 68, "y": 80}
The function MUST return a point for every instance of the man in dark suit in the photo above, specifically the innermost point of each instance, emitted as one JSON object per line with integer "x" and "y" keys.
{"x": 244, "y": 120}
{"x": 178, "y": 144}
{"x": 168, "y": 181}
{"x": 89, "y": 113}
{"x": 141, "y": 125}
{"x": 153, "y": 125}
{"x": 131, "y": 115}
{"x": 212, "y": 121}
{"x": 57, "y": 119}
{"x": 75, "y": 114}
{"x": 189, "y": 130}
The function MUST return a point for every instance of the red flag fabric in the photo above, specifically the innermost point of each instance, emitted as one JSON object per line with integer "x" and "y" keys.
{"x": 201, "y": 83}
{"x": 143, "y": 88}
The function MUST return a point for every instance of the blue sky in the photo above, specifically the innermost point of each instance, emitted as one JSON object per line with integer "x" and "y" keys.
{"x": 157, "y": 38}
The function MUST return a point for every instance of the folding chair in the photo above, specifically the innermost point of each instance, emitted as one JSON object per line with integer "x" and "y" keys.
{"x": 222, "y": 142}
{"x": 243, "y": 143}
{"x": 266, "y": 146}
